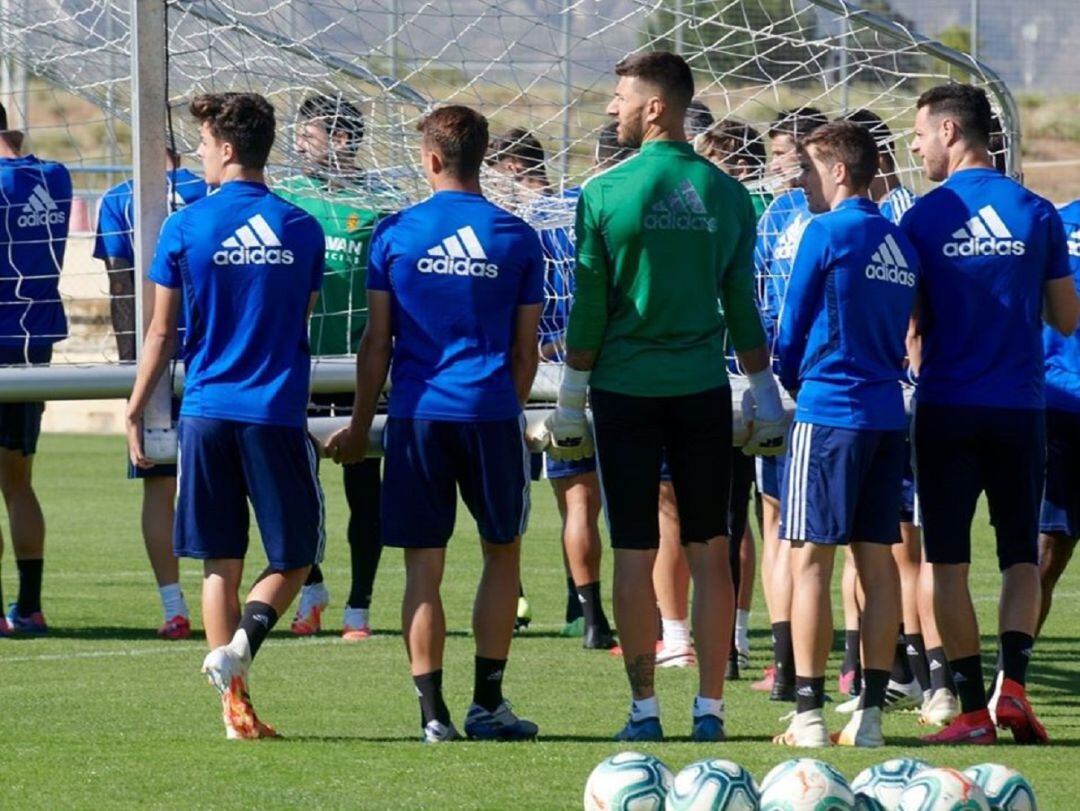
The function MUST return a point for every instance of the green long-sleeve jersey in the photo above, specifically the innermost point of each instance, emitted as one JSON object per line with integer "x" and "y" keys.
{"x": 664, "y": 268}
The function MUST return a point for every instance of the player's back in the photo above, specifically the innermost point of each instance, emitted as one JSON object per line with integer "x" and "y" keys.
{"x": 248, "y": 262}
{"x": 458, "y": 267}
{"x": 987, "y": 247}
{"x": 35, "y": 204}
{"x": 1063, "y": 354}
{"x": 553, "y": 217}
{"x": 854, "y": 354}
{"x": 896, "y": 203}
{"x": 779, "y": 231}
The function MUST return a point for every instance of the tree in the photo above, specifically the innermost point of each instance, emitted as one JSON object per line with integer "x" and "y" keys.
{"x": 870, "y": 51}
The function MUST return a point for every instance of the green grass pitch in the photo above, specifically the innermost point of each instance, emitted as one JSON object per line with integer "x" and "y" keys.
{"x": 101, "y": 714}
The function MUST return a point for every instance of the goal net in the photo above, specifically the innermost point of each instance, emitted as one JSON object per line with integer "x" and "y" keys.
{"x": 544, "y": 66}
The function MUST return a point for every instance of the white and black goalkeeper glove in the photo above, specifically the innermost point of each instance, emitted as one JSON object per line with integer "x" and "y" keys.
{"x": 764, "y": 416}
{"x": 567, "y": 429}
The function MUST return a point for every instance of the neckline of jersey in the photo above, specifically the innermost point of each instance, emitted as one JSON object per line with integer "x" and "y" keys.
{"x": 661, "y": 145}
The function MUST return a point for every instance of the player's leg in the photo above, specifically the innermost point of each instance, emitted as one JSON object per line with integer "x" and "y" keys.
{"x": 768, "y": 515}
{"x": 629, "y": 447}
{"x": 158, "y": 516}
{"x": 493, "y": 464}
{"x": 1055, "y": 552}
{"x": 909, "y": 678}
{"x": 423, "y": 627}
{"x": 780, "y": 585}
{"x": 697, "y": 432}
{"x": 1059, "y": 522}
{"x": 671, "y": 582}
{"x": 578, "y": 497}
{"x": 1014, "y": 495}
{"x": 850, "y": 679}
{"x": 362, "y": 492}
{"x": 941, "y": 706}
{"x": 26, "y": 521}
{"x": 741, "y": 562}
{"x": 573, "y": 616}
{"x": 314, "y": 597}
{"x": 744, "y": 601}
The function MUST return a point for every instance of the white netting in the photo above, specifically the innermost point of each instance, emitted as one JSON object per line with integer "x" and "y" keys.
{"x": 542, "y": 65}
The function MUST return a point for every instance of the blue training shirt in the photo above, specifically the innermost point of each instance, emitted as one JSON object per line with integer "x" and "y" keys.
{"x": 841, "y": 341}
{"x": 987, "y": 247}
{"x": 553, "y": 219}
{"x": 248, "y": 263}
{"x": 1063, "y": 354}
{"x": 114, "y": 238}
{"x": 35, "y": 204}
{"x": 779, "y": 230}
{"x": 457, "y": 268}
{"x": 896, "y": 203}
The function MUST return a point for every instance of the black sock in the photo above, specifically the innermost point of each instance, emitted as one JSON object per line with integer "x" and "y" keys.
{"x": 968, "y": 676}
{"x": 314, "y": 576}
{"x": 487, "y": 685}
{"x": 874, "y": 684}
{"x": 916, "y": 654}
{"x": 256, "y": 621}
{"x": 940, "y": 678}
{"x": 851, "y": 652}
{"x": 429, "y": 691}
{"x": 362, "y": 492}
{"x": 29, "y": 586}
{"x": 809, "y": 693}
{"x": 521, "y": 589}
{"x": 575, "y": 604}
{"x": 901, "y": 670}
{"x": 592, "y": 607}
{"x": 1015, "y": 655}
{"x": 783, "y": 653}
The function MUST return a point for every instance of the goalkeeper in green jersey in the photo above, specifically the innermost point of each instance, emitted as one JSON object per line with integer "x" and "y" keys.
{"x": 347, "y": 202}
{"x": 664, "y": 270}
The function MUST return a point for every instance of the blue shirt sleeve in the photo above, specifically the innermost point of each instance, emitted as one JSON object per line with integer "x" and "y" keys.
{"x": 1057, "y": 247}
{"x": 532, "y": 280}
{"x": 165, "y": 269}
{"x": 803, "y": 302}
{"x": 113, "y": 239}
{"x": 378, "y": 268}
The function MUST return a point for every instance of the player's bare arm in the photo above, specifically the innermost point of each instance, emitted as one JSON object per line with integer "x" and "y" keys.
{"x": 1062, "y": 305}
{"x": 525, "y": 354}
{"x": 158, "y": 348}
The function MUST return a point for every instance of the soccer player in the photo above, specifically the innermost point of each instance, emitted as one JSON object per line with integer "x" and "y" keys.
{"x": 1059, "y": 524}
{"x": 841, "y": 353}
{"x": 779, "y": 230}
{"x": 114, "y": 244}
{"x": 455, "y": 289}
{"x": 346, "y": 201}
{"x": 35, "y": 207}
{"x": 661, "y": 238}
{"x": 739, "y": 150}
{"x": 249, "y": 267}
{"x": 994, "y": 259}
{"x": 519, "y": 155}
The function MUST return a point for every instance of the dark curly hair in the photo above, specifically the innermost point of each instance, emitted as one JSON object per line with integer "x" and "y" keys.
{"x": 245, "y": 120}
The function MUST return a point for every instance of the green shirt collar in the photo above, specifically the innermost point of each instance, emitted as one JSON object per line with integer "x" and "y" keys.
{"x": 667, "y": 146}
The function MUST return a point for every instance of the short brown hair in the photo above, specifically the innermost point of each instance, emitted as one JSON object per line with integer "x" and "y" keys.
{"x": 245, "y": 120}
{"x": 669, "y": 72}
{"x": 797, "y": 122}
{"x": 735, "y": 140}
{"x": 460, "y": 135}
{"x": 849, "y": 144}
{"x": 520, "y": 145}
{"x": 967, "y": 105}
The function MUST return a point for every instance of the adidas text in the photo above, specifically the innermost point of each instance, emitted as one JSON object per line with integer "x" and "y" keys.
{"x": 462, "y": 266}
{"x": 891, "y": 274}
{"x": 985, "y": 247}
{"x": 667, "y": 221}
{"x": 256, "y": 255}
{"x": 39, "y": 218}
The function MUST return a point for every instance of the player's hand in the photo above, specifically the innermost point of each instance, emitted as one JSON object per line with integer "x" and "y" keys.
{"x": 767, "y": 437}
{"x": 568, "y": 434}
{"x": 347, "y": 446}
{"x": 764, "y": 416}
{"x": 133, "y": 425}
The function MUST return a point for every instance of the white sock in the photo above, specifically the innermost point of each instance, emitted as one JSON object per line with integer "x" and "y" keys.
{"x": 742, "y": 630}
{"x": 355, "y": 617}
{"x": 708, "y": 706}
{"x": 241, "y": 646}
{"x": 172, "y": 601}
{"x": 642, "y": 708}
{"x": 676, "y": 634}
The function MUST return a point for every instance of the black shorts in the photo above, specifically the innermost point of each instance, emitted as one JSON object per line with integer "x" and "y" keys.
{"x": 742, "y": 480}
{"x": 1061, "y": 497}
{"x": 963, "y": 451}
{"x": 632, "y": 435}
{"x": 20, "y": 423}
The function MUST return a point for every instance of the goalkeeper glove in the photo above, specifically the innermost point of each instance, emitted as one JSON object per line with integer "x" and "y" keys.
{"x": 763, "y": 412}
{"x": 567, "y": 429}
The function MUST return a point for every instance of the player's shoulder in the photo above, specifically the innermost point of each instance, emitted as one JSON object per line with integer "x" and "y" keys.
{"x": 1070, "y": 213}
{"x": 612, "y": 176}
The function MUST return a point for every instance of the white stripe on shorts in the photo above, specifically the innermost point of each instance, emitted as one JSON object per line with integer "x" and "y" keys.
{"x": 526, "y": 503}
{"x": 314, "y": 467}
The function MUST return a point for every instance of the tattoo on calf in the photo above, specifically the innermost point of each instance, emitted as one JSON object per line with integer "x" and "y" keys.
{"x": 640, "y": 670}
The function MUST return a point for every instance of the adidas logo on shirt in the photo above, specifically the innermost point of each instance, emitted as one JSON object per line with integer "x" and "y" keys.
{"x": 253, "y": 243}
{"x": 888, "y": 264}
{"x": 682, "y": 210}
{"x": 460, "y": 254}
{"x": 40, "y": 209}
{"x": 1074, "y": 243}
{"x": 788, "y": 241}
{"x": 984, "y": 235}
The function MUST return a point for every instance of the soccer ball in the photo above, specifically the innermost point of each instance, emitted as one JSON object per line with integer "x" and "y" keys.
{"x": 628, "y": 781}
{"x": 804, "y": 784}
{"x": 713, "y": 785}
{"x": 1005, "y": 788}
{"x": 878, "y": 788}
{"x": 943, "y": 790}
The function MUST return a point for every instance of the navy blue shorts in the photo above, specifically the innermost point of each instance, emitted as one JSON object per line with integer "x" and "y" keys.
{"x": 545, "y": 466}
{"x": 963, "y": 451}
{"x": 157, "y": 471}
{"x": 842, "y": 485}
{"x": 20, "y": 423}
{"x": 1061, "y": 496}
{"x": 426, "y": 461}
{"x": 223, "y": 465}
{"x": 909, "y": 508}
{"x": 769, "y": 474}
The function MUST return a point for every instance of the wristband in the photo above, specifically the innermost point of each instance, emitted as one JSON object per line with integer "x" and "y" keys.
{"x": 575, "y": 383}
{"x": 766, "y": 395}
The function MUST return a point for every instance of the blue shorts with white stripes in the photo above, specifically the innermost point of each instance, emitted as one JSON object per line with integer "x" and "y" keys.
{"x": 426, "y": 461}
{"x": 842, "y": 485}
{"x": 222, "y": 465}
